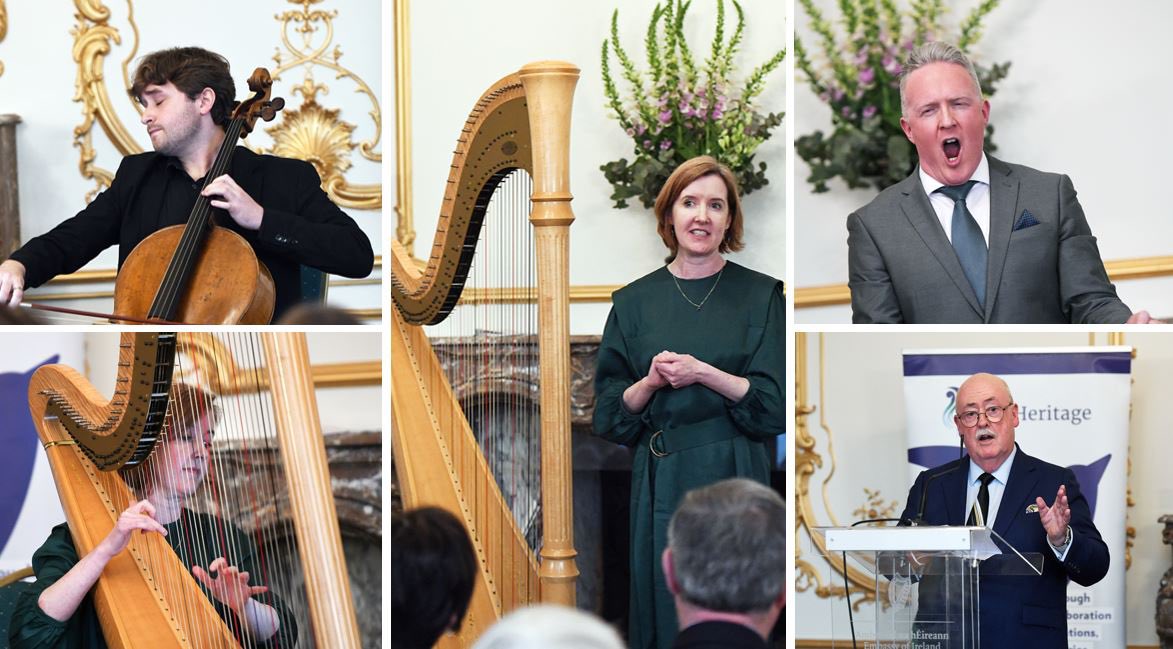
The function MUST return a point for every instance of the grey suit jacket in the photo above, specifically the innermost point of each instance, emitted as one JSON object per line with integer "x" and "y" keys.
{"x": 902, "y": 268}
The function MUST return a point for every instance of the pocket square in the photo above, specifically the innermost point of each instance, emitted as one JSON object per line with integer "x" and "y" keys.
{"x": 1025, "y": 220}
{"x": 1032, "y": 508}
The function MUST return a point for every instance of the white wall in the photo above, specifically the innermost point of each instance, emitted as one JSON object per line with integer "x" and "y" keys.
{"x": 455, "y": 60}
{"x": 1084, "y": 90}
{"x": 863, "y": 411}
{"x": 39, "y": 84}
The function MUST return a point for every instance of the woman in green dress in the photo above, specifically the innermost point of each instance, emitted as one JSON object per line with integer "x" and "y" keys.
{"x": 58, "y": 610}
{"x": 690, "y": 373}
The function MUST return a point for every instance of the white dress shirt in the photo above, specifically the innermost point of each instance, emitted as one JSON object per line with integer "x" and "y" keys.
{"x": 997, "y": 488}
{"x": 978, "y": 200}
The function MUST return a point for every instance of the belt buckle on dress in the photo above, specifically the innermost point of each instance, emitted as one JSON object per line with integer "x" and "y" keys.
{"x": 652, "y": 445}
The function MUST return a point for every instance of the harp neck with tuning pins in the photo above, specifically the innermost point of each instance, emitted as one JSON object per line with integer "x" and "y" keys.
{"x": 518, "y": 131}
{"x": 146, "y": 595}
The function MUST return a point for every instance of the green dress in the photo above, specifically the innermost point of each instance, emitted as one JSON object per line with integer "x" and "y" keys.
{"x": 193, "y": 534}
{"x": 740, "y": 329}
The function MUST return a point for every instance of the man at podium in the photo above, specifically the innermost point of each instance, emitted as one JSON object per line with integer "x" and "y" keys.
{"x": 1001, "y": 487}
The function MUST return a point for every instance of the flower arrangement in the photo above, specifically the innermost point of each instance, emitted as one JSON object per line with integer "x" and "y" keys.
{"x": 861, "y": 84}
{"x": 677, "y": 110}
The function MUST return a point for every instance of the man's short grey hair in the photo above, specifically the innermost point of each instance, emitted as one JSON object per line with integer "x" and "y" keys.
{"x": 549, "y": 626}
{"x": 728, "y": 544}
{"x": 934, "y": 52}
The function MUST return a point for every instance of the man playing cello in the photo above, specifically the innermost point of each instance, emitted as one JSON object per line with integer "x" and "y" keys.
{"x": 276, "y": 204}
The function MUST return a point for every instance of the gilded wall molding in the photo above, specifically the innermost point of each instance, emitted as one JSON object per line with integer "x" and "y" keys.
{"x": 213, "y": 364}
{"x": 1118, "y": 270}
{"x": 404, "y": 226}
{"x": 808, "y": 459}
{"x": 3, "y": 28}
{"x": 310, "y": 132}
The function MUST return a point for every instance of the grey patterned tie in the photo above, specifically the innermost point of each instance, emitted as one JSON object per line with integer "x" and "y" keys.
{"x": 968, "y": 240}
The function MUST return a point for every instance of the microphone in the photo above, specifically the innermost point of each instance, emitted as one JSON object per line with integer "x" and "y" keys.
{"x": 924, "y": 494}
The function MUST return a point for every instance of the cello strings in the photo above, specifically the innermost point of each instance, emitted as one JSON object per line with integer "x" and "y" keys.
{"x": 170, "y": 288}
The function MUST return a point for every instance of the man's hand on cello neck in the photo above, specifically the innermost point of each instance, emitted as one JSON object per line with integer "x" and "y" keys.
{"x": 225, "y": 194}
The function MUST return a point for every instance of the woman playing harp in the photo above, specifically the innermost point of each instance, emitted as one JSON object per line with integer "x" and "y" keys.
{"x": 58, "y": 611}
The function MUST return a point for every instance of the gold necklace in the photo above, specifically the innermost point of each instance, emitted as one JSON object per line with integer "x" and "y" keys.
{"x": 706, "y": 298}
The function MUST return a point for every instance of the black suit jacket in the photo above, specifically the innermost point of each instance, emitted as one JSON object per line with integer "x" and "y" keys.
{"x": 718, "y": 635}
{"x": 300, "y": 226}
{"x": 1021, "y": 611}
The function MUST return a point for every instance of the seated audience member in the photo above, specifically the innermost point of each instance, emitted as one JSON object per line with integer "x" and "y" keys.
{"x": 726, "y": 565}
{"x": 549, "y": 626}
{"x": 433, "y": 568}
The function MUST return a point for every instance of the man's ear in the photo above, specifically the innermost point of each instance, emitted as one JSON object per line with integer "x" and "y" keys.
{"x": 669, "y": 571}
{"x": 206, "y": 100}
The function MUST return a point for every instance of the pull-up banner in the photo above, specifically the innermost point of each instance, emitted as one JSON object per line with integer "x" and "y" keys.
{"x": 29, "y": 507}
{"x": 1073, "y": 406}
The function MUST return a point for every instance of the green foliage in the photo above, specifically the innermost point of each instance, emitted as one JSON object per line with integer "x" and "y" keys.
{"x": 677, "y": 110}
{"x": 859, "y": 80}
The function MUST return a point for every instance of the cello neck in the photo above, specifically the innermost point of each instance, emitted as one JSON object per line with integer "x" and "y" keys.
{"x": 199, "y": 221}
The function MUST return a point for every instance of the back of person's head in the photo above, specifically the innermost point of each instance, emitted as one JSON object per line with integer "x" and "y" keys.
{"x": 190, "y": 69}
{"x": 728, "y": 543}
{"x": 433, "y": 569}
{"x": 309, "y": 313}
{"x": 548, "y": 626}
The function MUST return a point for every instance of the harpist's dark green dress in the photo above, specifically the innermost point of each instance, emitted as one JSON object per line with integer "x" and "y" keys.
{"x": 193, "y": 534}
{"x": 707, "y": 438}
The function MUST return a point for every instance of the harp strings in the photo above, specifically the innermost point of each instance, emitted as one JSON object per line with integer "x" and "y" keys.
{"x": 238, "y": 510}
{"x": 491, "y": 350}
{"x": 248, "y": 478}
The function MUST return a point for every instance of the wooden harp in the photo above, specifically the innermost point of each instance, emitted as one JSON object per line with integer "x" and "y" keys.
{"x": 146, "y": 597}
{"x": 520, "y": 123}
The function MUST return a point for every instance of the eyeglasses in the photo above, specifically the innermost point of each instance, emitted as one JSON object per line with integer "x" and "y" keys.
{"x": 994, "y": 414}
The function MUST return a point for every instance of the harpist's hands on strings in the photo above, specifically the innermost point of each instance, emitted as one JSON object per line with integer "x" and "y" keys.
{"x": 229, "y": 196}
{"x": 60, "y": 600}
{"x": 229, "y": 585}
{"x": 139, "y": 516}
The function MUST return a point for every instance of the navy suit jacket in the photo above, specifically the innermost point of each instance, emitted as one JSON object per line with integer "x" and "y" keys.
{"x": 1021, "y": 611}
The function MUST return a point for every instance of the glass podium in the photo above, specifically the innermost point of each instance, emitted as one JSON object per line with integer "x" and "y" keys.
{"x": 925, "y": 582}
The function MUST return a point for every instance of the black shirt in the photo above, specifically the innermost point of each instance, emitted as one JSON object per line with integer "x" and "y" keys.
{"x": 301, "y": 226}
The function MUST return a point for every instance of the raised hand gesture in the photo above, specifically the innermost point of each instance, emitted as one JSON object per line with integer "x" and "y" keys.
{"x": 1055, "y": 518}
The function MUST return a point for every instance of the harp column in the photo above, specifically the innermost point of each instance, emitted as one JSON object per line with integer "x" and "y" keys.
{"x": 315, "y": 519}
{"x": 549, "y": 91}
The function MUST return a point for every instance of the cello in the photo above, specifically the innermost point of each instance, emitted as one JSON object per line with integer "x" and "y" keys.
{"x": 200, "y": 272}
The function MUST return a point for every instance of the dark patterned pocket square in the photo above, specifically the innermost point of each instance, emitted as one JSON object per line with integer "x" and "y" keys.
{"x": 1025, "y": 220}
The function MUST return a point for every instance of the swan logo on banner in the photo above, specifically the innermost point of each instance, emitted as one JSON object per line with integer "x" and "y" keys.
{"x": 18, "y": 438}
{"x": 950, "y": 406}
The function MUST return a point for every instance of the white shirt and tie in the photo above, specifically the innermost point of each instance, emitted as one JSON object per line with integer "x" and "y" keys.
{"x": 998, "y": 485}
{"x": 977, "y": 201}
